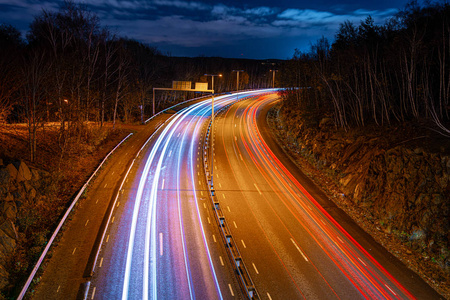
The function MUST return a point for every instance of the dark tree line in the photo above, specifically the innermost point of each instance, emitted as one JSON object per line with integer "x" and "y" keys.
{"x": 396, "y": 72}
{"x": 71, "y": 70}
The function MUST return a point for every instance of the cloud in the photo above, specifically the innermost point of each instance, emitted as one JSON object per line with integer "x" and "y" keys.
{"x": 203, "y": 23}
{"x": 260, "y": 11}
{"x": 308, "y": 18}
{"x": 304, "y": 14}
{"x": 183, "y": 4}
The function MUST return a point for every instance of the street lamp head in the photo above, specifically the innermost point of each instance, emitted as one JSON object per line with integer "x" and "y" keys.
{"x": 213, "y": 75}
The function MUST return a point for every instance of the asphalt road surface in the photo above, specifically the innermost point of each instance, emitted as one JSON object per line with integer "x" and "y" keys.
{"x": 290, "y": 234}
{"x": 147, "y": 229}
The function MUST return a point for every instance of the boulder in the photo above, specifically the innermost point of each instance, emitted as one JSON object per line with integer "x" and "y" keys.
{"x": 32, "y": 194}
{"x": 28, "y": 187}
{"x": 4, "y": 275}
{"x": 9, "y": 210}
{"x": 24, "y": 172}
{"x": 35, "y": 174}
{"x": 12, "y": 171}
{"x": 4, "y": 177}
{"x": 8, "y": 237}
{"x": 8, "y": 229}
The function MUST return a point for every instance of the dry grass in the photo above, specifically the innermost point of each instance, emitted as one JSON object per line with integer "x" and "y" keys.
{"x": 69, "y": 163}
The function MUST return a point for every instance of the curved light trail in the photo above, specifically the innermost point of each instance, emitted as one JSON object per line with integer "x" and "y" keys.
{"x": 279, "y": 203}
{"x": 163, "y": 244}
{"x": 160, "y": 243}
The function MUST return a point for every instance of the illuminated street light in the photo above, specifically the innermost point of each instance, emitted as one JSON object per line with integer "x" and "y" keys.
{"x": 212, "y": 125}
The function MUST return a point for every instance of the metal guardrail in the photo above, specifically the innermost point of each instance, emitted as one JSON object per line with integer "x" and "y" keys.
{"x": 234, "y": 255}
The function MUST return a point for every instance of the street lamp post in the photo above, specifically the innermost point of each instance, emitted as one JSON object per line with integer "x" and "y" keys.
{"x": 273, "y": 77}
{"x": 212, "y": 126}
{"x": 237, "y": 80}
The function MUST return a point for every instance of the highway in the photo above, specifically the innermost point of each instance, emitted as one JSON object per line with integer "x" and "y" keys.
{"x": 151, "y": 213}
{"x": 162, "y": 241}
{"x": 292, "y": 246}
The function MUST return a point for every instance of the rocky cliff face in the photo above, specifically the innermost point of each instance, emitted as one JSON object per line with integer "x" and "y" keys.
{"x": 18, "y": 184}
{"x": 405, "y": 189}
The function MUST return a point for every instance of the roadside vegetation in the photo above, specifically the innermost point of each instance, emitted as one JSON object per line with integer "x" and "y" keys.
{"x": 372, "y": 113}
{"x": 70, "y": 90}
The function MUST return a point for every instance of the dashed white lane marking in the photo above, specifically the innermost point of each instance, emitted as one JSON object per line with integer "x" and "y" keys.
{"x": 362, "y": 261}
{"x": 220, "y": 185}
{"x": 73, "y": 252}
{"x": 223, "y": 195}
{"x": 58, "y": 288}
{"x": 96, "y": 201}
{"x": 268, "y": 295}
{"x": 201, "y": 193}
{"x": 112, "y": 220}
{"x": 118, "y": 203}
{"x": 241, "y": 157}
{"x": 243, "y": 244}
{"x": 199, "y": 182}
{"x": 86, "y": 223}
{"x": 235, "y": 138}
{"x": 298, "y": 248}
{"x": 93, "y": 292}
{"x": 214, "y": 238}
{"x": 231, "y": 290}
{"x": 107, "y": 238}
{"x": 209, "y": 220}
{"x": 204, "y": 205}
{"x": 112, "y": 173}
{"x": 340, "y": 240}
{"x": 161, "y": 248}
{"x": 221, "y": 261}
{"x": 105, "y": 185}
{"x": 162, "y": 186}
{"x": 228, "y": 208}
{"x": 234, "y": 224}
{"x": 257, "y": 189}
{"x": 390, "y": 289}
{"x": 101, "y": 262}
{"x": 256, "y": 270}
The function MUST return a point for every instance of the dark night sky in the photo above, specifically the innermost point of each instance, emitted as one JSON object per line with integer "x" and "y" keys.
{"x": 252, "y": 29}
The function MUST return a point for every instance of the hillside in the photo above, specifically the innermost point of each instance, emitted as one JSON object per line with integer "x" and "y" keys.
{"x": 393, "y": 181}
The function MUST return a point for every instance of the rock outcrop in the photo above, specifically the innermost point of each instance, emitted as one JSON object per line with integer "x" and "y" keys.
{"x": 405, "y": 189}
{"x": 18, "y": 183}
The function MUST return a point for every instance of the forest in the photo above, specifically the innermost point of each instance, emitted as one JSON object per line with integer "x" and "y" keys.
{"x": 378, "y": 74}
{"x": 70, "y": 70}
